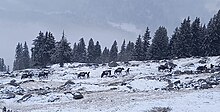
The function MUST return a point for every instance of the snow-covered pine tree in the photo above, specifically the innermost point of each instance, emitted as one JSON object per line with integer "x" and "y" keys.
{"x": 121, "y": 55}
{"x": 138, "y": 50}
{"x": 129, "y": 51}
{"x": 173, "y": 44}
{"x": 159, "y": 47}
{"x": 2, "y": 65}
{"x": 25, "y": 57}
{"x": 113, "y": 52}
{"x": 62, "y": 53}
{"x": 18, "y": 62}
{"x": 81, "y": 51}
{"x": 184, "y": 39}
{"x": 97, "y": 52}
{"x": 146, "y": 43}
{"x": 91, "y": 51}
{"x": 105, "y": 55}
{"x": 212, "y": 38}
{"x": 74, "y": 53}
{"x": 43, "y": 48}
{"x": 197, "y": 38}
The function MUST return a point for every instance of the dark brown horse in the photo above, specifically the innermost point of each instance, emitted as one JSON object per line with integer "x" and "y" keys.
{"x": 106, "y": 73}
{"x": 83, "y": 74}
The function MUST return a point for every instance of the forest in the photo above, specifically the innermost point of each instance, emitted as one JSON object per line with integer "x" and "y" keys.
{"x": 190, "y": 39}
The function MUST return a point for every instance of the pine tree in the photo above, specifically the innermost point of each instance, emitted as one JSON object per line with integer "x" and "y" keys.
{"x": 138, "y": 50}
{"x": 2, "y": 65}
{"x": 91, "y": 50}
{"x": 18, "y": 62}
{"x": 121, "y": 55}
{"x": 97, "y": 52}
{"x": 114, "y": 52}
{"x": 25, "y": 57}
{"x": 105, "y": 55}
{"x": 43, "y": 49}
{"x": 62, "y": 52}
{"x": 159, "y": 47}
{"x": 74, "y": 53}
{"x": 173, "y": 45}
{"x": 81, "y": 50}
{"x": 129, "y": 51}
{"x": 197, "y": 38}
{"x": 146, "y": 43}
{"x": 212, "y": 38}
{"x": 184, "y": 39}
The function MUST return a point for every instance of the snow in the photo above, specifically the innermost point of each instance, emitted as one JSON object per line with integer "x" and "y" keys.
{"x": 138, "y": 91}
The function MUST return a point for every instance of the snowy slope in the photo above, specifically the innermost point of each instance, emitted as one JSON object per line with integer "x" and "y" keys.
{"x": 142, "y": 89}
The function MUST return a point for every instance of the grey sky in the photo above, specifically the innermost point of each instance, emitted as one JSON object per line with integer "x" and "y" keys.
{"x": 103, "y": 20}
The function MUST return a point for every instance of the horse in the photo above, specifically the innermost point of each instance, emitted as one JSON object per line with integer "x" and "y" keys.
{"x": 118, "y": 70}
{"x": 106, "y": 72}
{"x": 26, "y": 75}
{"x": 127, "y": 71}
{"x": 83, "y": 74}
{"x": 202, "y": 68}
{"x": 163, "y": 67}
{"x": 44, "y": 74}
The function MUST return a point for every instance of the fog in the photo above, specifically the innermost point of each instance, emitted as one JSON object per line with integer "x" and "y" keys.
{"x": 102, "y": 20}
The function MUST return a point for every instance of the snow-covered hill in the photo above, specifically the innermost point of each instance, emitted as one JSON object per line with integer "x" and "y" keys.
{"x": 184, "y": 89}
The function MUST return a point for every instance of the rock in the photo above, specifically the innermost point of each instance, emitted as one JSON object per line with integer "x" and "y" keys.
{"x": 113, "y": 64}
{"x": 77, "y": 95}
{"x": 7, "y": 96}
{"x": 205, "y": 86}
{"x": 13, "y": 83}
{"x": 24, "y": 98}
{"x": 69, "y": 82}
{"x": 53, "y": 99}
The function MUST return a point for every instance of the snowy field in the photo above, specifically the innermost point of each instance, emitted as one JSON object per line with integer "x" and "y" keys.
{"x": 184, "y": 89}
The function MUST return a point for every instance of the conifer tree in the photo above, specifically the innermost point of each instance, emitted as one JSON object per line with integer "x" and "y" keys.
{"x": 91, "y": 51}
{"x": 81, "y": 50}
{"x": 74, "y": 53}
{"x": 212, "y": 38}
{"x": 18, "y": 62}
{"x": 113, "y": 52}
{"x": 62, "y": 52}
{"x": 97, "y": 52}
{"x": 42, "y": 50}
{"x": 159, "y": 47}
{"x": 146, "y": 43}
{"x": 121, "y": 55}
{"x": 25, "y": 57}
{"x": 105, "y": 55}
{"x": 129, "y": 51}
{"x": 138, "y": 50}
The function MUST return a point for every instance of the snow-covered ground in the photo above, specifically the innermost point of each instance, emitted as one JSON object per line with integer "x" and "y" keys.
{"x": 143, "y": 88}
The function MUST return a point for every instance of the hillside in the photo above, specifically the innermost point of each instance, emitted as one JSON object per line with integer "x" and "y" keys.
{"x": 186, "y": 88}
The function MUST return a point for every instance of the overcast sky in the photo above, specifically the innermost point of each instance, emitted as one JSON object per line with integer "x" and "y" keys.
{"x": 103, "y": 20}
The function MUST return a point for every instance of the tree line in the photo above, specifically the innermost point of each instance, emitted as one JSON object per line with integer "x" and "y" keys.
{"x": 189, "y": 39}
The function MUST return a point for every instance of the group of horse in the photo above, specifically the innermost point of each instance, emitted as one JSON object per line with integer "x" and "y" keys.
{"x": 40, "y": 75}
{"x": 107, "y": 73}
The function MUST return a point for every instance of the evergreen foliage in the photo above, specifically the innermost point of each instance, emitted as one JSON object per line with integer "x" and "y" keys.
{"x": 91, "y": 51}
{"x": 138, "y": 50}
{"x": 114, "y": 52}
{"x": 62, "y": 52}
{"x": 97, "y": 52}
{"x": 81, "y": 51}
{"x": 146, "y": 44}
{"x": 122, "y": 54}
{"x": 42, "y": 50}
{"x": 105, "y": 55}
{"x": 2, "y": 65}
{"x": 159, "y": 47}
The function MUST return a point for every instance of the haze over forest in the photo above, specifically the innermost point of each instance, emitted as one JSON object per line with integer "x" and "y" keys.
{"x": 103, "y": 20}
